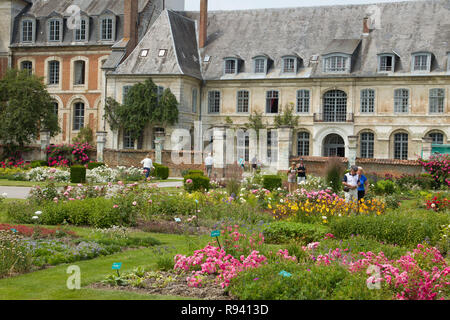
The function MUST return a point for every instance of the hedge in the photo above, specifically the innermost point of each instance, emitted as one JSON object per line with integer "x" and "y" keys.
{"x": 77, "y": 174}
{"x": 161, "y": 172}
{"x": 93, "y": 165}
{"x": 272, "y": 182}
{"x": 199, "y": 183}
{"x": 282, "y": 232}
{"x": 39, "y": 163}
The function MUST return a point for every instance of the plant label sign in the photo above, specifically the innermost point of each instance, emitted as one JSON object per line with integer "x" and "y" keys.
{"x": 13, "y": 230}
{"x": 177, "y": 220}
{"x": 285, "y": 274}
{"x": 215, "y": 234}
{"x": 117, "y": 265}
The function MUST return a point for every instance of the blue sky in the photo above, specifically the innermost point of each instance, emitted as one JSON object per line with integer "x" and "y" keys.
{"x": 253, "y": 4}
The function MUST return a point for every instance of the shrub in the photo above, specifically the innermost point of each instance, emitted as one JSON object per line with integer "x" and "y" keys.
{"x": 38, "y": 163}
{"x": 77, "y": 174}
{"x": 14, "y": 255}
{"x": 384, "y": 187}
{"x": 272, "y": 182}
{"x": 397, "y": 228}
{"x": 93, "y": 165}
{"x": 161, "y": 172}
{"x": 334, "y": 173}
{"x": 196, "y": 183}
{"x": 192, "y": 172}
{"x": 280, "y": 232}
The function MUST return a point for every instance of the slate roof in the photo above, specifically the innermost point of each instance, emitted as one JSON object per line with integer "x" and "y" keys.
{"x": 41, "y": 10}
{"x": 171, "y": 32}
{"x": 402, "y": 28}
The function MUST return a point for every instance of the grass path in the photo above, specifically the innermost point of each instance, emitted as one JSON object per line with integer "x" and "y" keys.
{"x": 51, "y": 283}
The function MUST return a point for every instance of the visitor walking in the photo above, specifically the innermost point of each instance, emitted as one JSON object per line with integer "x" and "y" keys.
{"x": 254, "y": 164}
{"x": 148, "y": 165}
{"x": 362, "y": 184}
{"x": 241, "y": 163}
{"x": 292, "y": 175}
{"x": 209, "y": 161}
{"x": 301, "y": 172}
{"x": 350, "y": 183}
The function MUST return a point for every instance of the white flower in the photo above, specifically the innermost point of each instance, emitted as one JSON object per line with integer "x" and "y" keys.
{"x": 324, "y": 217}
{"x": 38, "y": 212}
{"x": 4, "y": 194}
{"x": 34, "y": 217}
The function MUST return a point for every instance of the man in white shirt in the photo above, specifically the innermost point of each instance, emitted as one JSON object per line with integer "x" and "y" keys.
{"x": 209, "y": 161}
{"x": 148, "y": 165}
{"x": 351, "y": 184}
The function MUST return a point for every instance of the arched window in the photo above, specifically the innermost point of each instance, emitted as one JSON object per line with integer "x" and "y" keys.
{"x": 367, "y": 101}
{"x": 78, "y": 116}
{"x": 438, "y": 137}
{"x": 303, "y": 144}
{"x": 367, "y": 144}
{"x": 79, "y": 67}
{"x": 401, "y": 146}
{"x": 243, "y": 145}
{"x": 335, "y": 106}
{"x": 333, "y": 146}
{"x": 55, "y": 108}
{"x": 27, "y": 65}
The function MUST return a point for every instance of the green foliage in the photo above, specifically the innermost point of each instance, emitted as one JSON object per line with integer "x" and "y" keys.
{"x": 160, "y": 171}
{"x": 281, "y": 232}
{"x": 384, "y": 187}
{"x": 306, "y": 283}
{"x": 78, "y": 174}
{"x": 196, "y": 183}
{"x": 334, "y": 174}
{"x": 272, "y": 182}
{"x": 197, "y": 172}
{"x": 255, "y": 122}
{"x": 14, "y": 254}
{"x": 84, "y": 136}
{"x": 404, "y": 228}
{"x": 38, "y": 163}
{"x": 287, "y": 117}
{"x": 25, "y": 108}
{"x": 142, "y": 107}
{"x": 93, "y": 165}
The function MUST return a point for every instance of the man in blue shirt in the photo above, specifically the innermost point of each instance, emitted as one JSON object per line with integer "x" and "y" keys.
{"x": 362, "y": 184}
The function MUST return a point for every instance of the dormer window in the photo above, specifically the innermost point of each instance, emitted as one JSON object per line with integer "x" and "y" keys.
{"x": 82, "y": 30}
{"x": 27, "y": 31}
{"x": 421, "y": 62}
{"x": 107, "y": 28}
{"x": 231, "y": 66}
{"x": 55, "y": 30}
{"x": 289, "y": 65}
{"x": 386, "y": 63}
{"x": 260, "y": 65}
{"x": 337, "y": 63}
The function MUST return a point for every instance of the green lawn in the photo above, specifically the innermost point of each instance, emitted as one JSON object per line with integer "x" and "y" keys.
{"x": 50, "y": 284}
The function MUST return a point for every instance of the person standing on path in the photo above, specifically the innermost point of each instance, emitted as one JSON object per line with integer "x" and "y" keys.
{"x": 209, "y": 161}
{"x": 292, "y": 175}
{"x": 254, "y": 164}
{"x": 362, "y": 184}
{"x": 351, "y": 185}
{"x": 148, "y": 165}
{"x": 301, "y": 172}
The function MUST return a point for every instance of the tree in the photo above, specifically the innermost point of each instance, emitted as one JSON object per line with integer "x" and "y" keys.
{"x": 142, "y": 107}
{"x": 26, "y": 108}
{"x": 286, "y": 117}
{"x": 255, "y": 122}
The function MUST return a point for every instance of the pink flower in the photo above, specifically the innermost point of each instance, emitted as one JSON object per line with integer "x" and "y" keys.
{"x": 115, "y": 206}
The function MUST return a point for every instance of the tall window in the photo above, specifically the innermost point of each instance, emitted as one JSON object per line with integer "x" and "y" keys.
{"x": 230, "y": 66}
{"x": 81, "y": 31}
{"x": 437, "y": 100}
{"x": 335, "y": 106}
{"x": 401, "y": 101}
{"x": 55, "y": 108}
{"x": 54, "y": 30}
{"x": 242, "y": 101}
{"x": 159, "y": 92}
{"x": 79, "y": 72}
{"x": 213, "y": 101}
{"x": 78, "y": 116}
{"x": 401, "y": 146}
{"x": 303, "y": 144}
{"x": 289, "y": 65}
{"x": 303, "y": 101}
{"x": 243, "y": 145}
{"x": 260, "y": 65}
{"x": 272, "y": 101}
{"x": 128, "y": 141}
{"x": 272, "y": 146}
{"x": 125, "y": 90}
{"x": 53, "y": 72}
{"x": 27, "y": 31}
{"x": 367, "y": 101}
{"x": 438, "y": 138}
{"x": 106, "y": 32}
{"x": 194, "y": 100}
{"x": 27, "y": 65}
{"x": 367, "y": 144}
{"x": 336, "y": 64}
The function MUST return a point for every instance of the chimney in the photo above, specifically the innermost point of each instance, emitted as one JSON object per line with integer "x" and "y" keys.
{"x": 366, "y": 29}
{"x": 203, "y": 26}
{"x": 130, "y": 30}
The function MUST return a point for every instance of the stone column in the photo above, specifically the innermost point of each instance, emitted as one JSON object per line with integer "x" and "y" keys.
{"x": 219, "y": 147}
{"x": 101, "y": 141}
{"x": 426, "y": 148}
{"x": 352, "y": 150}
{"x": 45, "y": 142}
{"x": 159, "y": 146}
{"x": 284, "y": 151}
